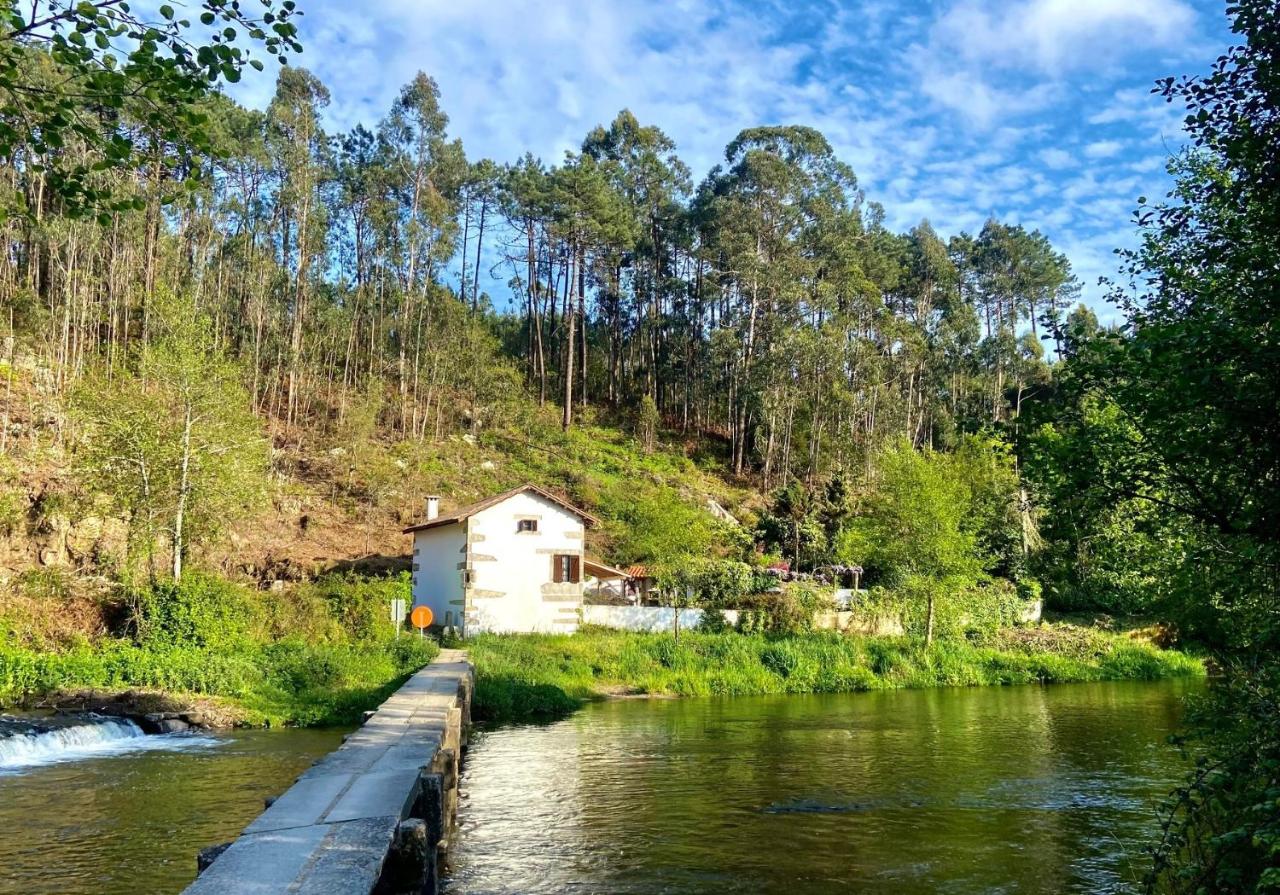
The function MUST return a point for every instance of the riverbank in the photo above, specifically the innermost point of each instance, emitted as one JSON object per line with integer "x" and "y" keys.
{"x": 285, "y": 683}
{"x": 318, "y": 654}
{"x": 532, "y": 677}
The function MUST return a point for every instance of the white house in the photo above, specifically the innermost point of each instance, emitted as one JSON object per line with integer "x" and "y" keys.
{"x": 510, "y": 563}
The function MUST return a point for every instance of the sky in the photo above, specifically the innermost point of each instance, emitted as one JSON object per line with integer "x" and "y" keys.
{"x": 1035, "y": 112}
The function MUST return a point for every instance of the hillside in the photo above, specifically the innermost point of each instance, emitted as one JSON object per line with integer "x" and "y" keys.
{"x": 338, "y": 499}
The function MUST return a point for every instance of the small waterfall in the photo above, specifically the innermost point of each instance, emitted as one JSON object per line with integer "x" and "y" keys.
{"x": 63, "y": 743}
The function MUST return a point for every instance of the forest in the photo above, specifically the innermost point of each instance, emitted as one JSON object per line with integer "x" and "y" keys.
{"x": 202, "y": 286}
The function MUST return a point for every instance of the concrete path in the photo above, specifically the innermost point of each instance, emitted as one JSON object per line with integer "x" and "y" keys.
{"x": 388, "y": 791}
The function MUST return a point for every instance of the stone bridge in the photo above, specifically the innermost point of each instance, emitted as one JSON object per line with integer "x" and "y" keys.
{"x": 374, "y": 816}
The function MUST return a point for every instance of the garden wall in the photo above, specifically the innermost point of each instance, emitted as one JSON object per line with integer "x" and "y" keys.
{"x": 646, "y": 618}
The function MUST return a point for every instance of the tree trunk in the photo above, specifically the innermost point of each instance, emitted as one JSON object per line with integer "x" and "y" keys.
{"x": 184, "y": 487}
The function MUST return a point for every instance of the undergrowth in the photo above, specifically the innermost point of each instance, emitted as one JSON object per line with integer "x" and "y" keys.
{"x": 317, "y": 655}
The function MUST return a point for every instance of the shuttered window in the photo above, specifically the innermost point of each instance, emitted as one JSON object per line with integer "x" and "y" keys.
{"x": 566, "y": 569}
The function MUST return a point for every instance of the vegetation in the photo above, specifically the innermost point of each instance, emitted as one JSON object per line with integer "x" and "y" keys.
{"x": 319, "y": 656}
{"x": 210, "y": 307}
{"x": 1168, "y": 427}
{"x": 531, "y": 677}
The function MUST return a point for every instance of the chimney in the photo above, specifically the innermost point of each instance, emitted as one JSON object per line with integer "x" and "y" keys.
{"x": 433, "y": 506}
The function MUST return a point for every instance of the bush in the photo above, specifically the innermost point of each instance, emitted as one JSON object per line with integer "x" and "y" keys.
{"x": 788, "y": 611}
{"x": 718, "y": 583}
{"x": 361, "y": 606}
{"x": 198, "y": 611}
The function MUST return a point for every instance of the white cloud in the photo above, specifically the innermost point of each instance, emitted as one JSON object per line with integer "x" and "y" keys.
{"x": 1057, "y": 159}
{"x": 1103, "y": 148}
{"x": 1053, "y": 35}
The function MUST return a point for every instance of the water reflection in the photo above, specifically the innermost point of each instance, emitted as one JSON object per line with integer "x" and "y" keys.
{"x": 1027, "y": 789}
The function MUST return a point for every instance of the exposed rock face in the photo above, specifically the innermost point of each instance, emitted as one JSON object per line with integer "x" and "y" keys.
{"x": 94, "y": 539}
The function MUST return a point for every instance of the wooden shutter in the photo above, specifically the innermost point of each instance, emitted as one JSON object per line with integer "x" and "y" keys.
{"x": 575, "y": 569}
{"x": 556, "y": 569}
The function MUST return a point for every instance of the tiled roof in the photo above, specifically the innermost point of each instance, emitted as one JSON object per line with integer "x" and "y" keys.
{"x": 471, "y": 509}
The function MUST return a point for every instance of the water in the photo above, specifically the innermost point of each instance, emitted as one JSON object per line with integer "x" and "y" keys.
{"x": 1022, "y": 789}
{"x": 86, "y": 737}
{"x": 113, "y": 813}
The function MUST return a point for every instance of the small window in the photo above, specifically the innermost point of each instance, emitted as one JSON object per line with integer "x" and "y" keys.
{"x": 565, "y": 569}
{"x": 526, "y": 525}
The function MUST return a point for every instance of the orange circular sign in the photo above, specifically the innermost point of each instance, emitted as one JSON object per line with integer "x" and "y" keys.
{"x": 421, "y": 617}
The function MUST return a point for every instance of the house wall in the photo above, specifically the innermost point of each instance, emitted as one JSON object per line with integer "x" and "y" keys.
{"x": 511, "y": 586}
{"x": 438, "y": 554}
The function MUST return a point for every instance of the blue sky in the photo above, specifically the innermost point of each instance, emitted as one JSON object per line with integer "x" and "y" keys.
{"x": 1034, "y": 111}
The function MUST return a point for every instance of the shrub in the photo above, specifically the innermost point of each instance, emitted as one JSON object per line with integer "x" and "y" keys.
{"x": 788, "y": 611}
{"x": 198, "y": 611}
{"x": 361, "y": 606}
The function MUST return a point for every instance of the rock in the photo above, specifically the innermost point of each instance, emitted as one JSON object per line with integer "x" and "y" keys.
{"x": 173, "y": 725}
{"x": 714, "y": 508}
{"x": 488, "y": 464}
{"x": 207, "y": 856}
{"x": 277, "y": 586}
{"x": 469, "y": 438}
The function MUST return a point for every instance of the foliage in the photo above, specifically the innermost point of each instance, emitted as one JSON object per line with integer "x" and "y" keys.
{"x": 647, "y": 421}
{"x": 915, "y": 523}
{"x": 314, "y": 656}
{"x": 199, "y": 611}
{"x": 361, "y": 606}
{"x": 1222, "y": 827}
{"x": 174, "y": 442}
{"x": 785, "y": 611}
{"x": 710, "y": 583}
{"x": 1171, "y": 421}
{"x": 108, "y": 78}
{"x": 533, "y": 676}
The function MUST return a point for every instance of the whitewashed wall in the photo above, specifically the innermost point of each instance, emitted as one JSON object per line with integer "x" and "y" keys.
{"x": 437, "y": 580}
{"x": 647, "y": 618}
{"x": 512, "y": 590}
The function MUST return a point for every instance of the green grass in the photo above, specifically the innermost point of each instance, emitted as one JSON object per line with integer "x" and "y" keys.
{"x": 288, "y": 682}
{"x": 535, "y": 676}
{"x": 319, "y": 654}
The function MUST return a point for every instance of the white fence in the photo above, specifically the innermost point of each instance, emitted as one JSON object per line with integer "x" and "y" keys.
{"x": 647, "y": 618}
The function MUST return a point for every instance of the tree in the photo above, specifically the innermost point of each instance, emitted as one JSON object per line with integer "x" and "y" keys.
{"x": 96, "y": 73}
{"x": 913, "y": 528}
{"x": 1189, "y": 389}
{"x": 174, "y": 441}
{"x": 647, "y": 422}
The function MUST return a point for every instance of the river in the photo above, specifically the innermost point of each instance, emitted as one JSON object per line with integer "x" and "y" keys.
{"x": 989, "y": 790}
{"x": 1019, "y": 789}
{"x": 127, "y": 815}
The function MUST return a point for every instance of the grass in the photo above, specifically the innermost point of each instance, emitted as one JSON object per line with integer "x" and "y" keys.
{"x": 318, "y": 655}
{"x": 537, "y": 677}
{"x": 284, "y": 683}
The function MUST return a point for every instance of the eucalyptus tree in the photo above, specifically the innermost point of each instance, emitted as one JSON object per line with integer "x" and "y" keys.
{"x": 653, "y": 183}
{"x": 429, "y": 171}
{"x": 768, "y": 203}
{"x": 302, "y": 163}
